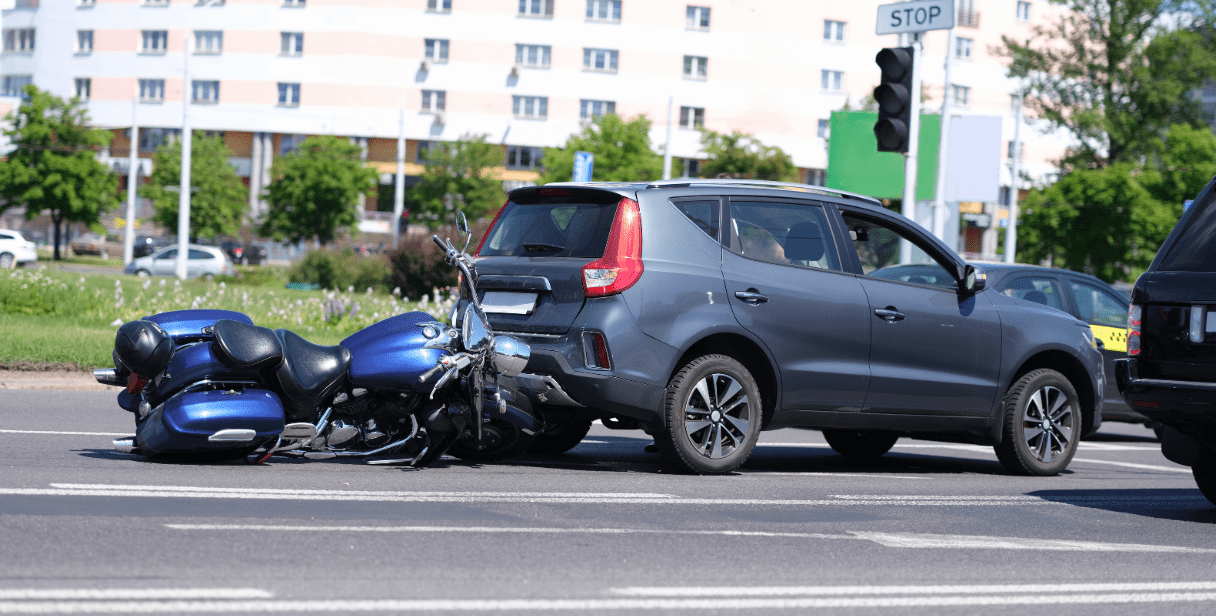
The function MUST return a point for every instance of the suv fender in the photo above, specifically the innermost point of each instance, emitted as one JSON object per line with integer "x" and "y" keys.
{"x": 741, "y": 346}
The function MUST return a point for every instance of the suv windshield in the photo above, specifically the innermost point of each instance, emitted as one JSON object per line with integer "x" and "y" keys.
{"x": 551, "y": 230}
{"x": 1195, "y": 248}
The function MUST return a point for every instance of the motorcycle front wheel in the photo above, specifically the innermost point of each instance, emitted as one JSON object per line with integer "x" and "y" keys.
{"x": 500, "y": 441}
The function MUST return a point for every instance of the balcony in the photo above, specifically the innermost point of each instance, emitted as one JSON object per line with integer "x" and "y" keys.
{"x": 968, "y": 19}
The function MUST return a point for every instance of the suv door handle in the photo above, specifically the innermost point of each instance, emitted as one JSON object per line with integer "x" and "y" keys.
{"x": 890, "y": 314}
{"x": 751, "y": 296}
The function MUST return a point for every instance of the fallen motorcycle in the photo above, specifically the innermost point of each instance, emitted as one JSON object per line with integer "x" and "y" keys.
{"x": 209, "y": 384}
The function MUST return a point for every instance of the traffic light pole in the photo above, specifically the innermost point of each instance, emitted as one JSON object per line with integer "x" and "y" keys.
{"x": 909, "y": 202}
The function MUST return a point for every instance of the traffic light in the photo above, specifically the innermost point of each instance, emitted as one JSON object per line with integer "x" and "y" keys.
{"x": 894, "y": 97}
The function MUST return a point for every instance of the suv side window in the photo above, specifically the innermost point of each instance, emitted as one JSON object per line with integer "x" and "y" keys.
{"x": 782, "y": 232}
{"x": 878, "y": 247}
{"x": 702, "y": 212}
{"x": 1038, "y": 289}
{"x": 1096, "y": 306}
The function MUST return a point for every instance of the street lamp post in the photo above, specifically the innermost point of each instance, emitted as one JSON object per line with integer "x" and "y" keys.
{"x": 183, "y": 203}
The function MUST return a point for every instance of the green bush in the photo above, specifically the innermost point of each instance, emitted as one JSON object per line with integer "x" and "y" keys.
{"x": 418, "y": 265}
{"x": 342, "y": 270}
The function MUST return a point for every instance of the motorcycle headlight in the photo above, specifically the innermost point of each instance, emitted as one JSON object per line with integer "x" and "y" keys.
{"x": 509, "y": 356}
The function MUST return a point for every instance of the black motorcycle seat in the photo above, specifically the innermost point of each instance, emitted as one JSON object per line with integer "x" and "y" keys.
{"x": 246, "y": 346}
{"x": 309, "y": 372}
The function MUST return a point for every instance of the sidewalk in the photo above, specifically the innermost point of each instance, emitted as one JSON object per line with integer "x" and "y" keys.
{"x": 54, "y": 379}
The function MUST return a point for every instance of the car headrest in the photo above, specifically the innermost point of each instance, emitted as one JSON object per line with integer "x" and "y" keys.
{"x": 804, "y": 242}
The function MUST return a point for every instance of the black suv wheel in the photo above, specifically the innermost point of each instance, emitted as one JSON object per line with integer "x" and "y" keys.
{"x": 1042, "y": 424}
{"x": 1205, "y": 477}
{"x": 712, "y": 411}
{"x": 860, "y": 444}
{"x": 559, "y": 437}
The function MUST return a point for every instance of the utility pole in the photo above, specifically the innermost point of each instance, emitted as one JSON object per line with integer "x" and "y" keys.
{"x": 128, "y": 243}
{"x": 943, "y": 147}
{"x": 671, "y": 100}
{"x": 1011, "y": 226}
{"x": 399, "y": 184}
{"x": 909, "y": 203}
{"x": 183, "y": 202}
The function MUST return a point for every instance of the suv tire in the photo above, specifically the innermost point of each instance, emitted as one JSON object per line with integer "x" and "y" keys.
{"x": 712, "y": 416}
{"x": 1205, "y": 478}
{"x": 560, "y": 437}
{"x": 860, "y": 444}
{"x": 1042, "y": 423}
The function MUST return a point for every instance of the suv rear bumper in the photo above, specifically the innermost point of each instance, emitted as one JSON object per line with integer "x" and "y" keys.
{"x": 1174, "y": 403}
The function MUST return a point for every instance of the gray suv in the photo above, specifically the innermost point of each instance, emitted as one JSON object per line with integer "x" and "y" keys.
{"x": 706, "y": 311}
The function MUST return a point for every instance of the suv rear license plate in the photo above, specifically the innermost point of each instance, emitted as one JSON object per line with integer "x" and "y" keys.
{"x": 506, "y": 302}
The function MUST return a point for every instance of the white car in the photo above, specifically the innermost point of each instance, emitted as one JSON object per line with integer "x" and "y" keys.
{"x": 15, "y": 249}
{"x": 204, "y": 261}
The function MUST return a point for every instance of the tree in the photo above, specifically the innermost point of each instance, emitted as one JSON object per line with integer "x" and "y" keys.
{"x": 1115, "y": 74}
{"x": 54, "y": 166}
{"x": 621, "y": 148}
{"x": 218, "y": 205}
{"x": 456, "y": 177}
{"x": 1101, "y": 221}
{"x": 739, "y": 155}
{"x": 1184, "y": 165}
{"x": 316, "y": 190}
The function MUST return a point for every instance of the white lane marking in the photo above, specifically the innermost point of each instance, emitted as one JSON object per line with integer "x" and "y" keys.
{"x": 69, "y": 433}
{"x": 499, "y": 530}
{"x": 891, "y": 540}
{"x": 135, "y": 593}
{"x": 286, "y": 491}
{"x": 817, "y": 474}
{"x": 806, "y": 445}
{"x": 593, "y": 442}
{"x": 524, "y": 605}
{"x": 976, "y": 589}
{"x": 1112, "y": 447}
{"x": 976, "y": 542}
{"x": 1147, "y": 467}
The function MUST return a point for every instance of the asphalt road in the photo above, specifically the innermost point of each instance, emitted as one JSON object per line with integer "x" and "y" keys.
{"x": 930, "y": 528}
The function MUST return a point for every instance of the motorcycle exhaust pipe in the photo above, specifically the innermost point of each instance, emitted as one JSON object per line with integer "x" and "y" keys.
{"x": 126, "y": 445}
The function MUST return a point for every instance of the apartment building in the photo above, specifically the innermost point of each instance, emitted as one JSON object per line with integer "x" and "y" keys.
{"x": 527, "y": 73}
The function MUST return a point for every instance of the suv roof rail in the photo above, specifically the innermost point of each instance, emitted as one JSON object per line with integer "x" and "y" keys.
{"x": 831, "y": 192}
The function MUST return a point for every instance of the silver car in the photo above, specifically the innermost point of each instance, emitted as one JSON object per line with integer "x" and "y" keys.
{"x": 204, "y": 261}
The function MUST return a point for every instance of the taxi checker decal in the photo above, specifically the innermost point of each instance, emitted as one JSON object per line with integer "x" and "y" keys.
{"x": 1115, "y": 338}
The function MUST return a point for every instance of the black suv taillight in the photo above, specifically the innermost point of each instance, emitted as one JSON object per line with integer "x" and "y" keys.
{"x": 1133, "y": 329}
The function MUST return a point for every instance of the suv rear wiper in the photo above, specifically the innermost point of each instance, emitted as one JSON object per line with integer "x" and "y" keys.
{"x": 543, "y": 248}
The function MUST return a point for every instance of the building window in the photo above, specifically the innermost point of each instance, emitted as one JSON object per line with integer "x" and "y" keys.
{"x": 205, "y": 92}
{"x": 86, "y": 3}
{"x": 692, "y": 117}
{"x": 823, "y": 129}
{"x": 84, "y": 88}
{"x": 1023, "y": 11}
{"x": 1010, "y": 149}
{"x": 208, "y": 41}
{"x": 439, "y": 6}
{"x": 829, "y": 81}
{"x": 291, "y": 43}
{"x": 600, "y": 60}
{"x": 817, "y": 177}
{"x": 436, "y": 50}
{"x": 84, "y": 41}
{"x": 19, "y": 40}
{"x": 434, "y": 100}
{"x": 156, "y": 2}
{"x": 150, "y": 139}
{"x": 289, "y": 143}
{"x": 524, "y": 157}
{"x": 424, "y": 147}
{"x": 589, "y": 109}
{"x": 536, "y": 8}
{"x": 833, "y": 31}
{"x": 604, "y": 10}
{"x": 692, "y": 168}
{"x": 154, "y": 41}
{"x": 294, "y": 3}
{"x": 697, "y": 18}
{"x": 960, "y": 95}
{"x": 695, "y": 67}
{"x": 13, "y": 84}
{"x": 532, "y": 56}
{"x": 289, "y": 95}
{"x": 151, "y": 90}
{"x": 962, "y": 48}
{"x": 530, "y": 107}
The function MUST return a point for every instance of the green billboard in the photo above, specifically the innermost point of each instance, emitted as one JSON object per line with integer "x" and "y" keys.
{"x": 856, "y": 165}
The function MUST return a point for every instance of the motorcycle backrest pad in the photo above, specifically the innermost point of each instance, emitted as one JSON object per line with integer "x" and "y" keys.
{"x": 143, "y": 347}
{"x": 247, "y": 346}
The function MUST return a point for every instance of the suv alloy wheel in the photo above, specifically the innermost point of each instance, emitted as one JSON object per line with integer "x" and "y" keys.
{"x": 1042, "y": 424}
{"x": 713, "y": 413}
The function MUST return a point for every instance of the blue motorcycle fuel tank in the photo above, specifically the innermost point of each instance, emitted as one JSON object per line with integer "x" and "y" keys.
{"x": 392, "y": 354}
{"x": 185, "y": 422}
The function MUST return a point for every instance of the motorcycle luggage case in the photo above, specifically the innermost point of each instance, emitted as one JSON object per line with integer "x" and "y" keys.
{"x": 187, "y": 325}
{"x": 188, "y": 422}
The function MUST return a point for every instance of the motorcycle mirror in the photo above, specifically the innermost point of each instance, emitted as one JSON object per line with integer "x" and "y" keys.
{"x": 462, "y": 227}
{"x": 475, "y": 332}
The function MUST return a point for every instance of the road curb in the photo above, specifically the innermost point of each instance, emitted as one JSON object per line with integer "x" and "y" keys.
{"x": 51, "y": 379}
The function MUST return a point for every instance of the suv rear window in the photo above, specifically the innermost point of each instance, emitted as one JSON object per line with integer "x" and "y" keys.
{"x": 1195, "y": 248}
{"x": 551, "y": 230}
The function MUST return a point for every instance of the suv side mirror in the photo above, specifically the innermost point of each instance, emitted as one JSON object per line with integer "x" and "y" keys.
{"x": 974, "y": 279}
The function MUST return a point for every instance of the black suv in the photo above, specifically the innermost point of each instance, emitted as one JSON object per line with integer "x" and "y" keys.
{"x": 1170, "y": 375}
{"x": 703, "y": 312}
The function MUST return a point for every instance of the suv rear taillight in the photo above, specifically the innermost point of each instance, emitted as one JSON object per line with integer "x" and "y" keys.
{"x": 490, "y": 228}
{"x": 1133, "y": 329}
{"x": 1198, "y": 329}
{"x": 621, "y": 265}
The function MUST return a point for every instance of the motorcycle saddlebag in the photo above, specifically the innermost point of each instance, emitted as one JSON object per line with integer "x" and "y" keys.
{"x": 211, "y": 420}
